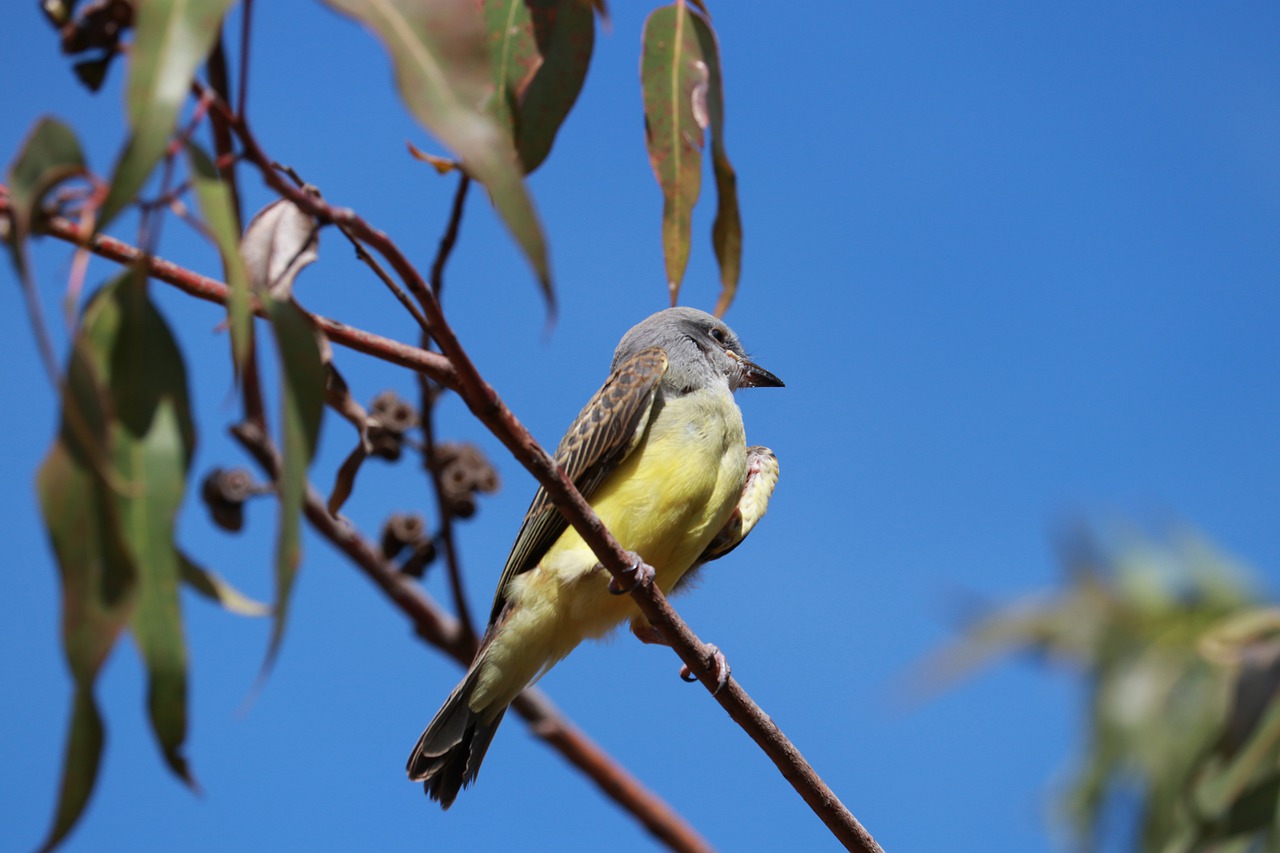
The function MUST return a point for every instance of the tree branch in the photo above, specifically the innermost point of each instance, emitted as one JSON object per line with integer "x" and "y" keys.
{"x": 431, "y": 624}
{"x": 428, "y": 395}
{"x": 211, "y": 290}
{"x": 488, "y": 407}
{"x": 442, "y": 631}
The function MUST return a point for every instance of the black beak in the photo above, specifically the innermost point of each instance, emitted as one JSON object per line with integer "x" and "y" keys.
{"x": 753, "y": 375}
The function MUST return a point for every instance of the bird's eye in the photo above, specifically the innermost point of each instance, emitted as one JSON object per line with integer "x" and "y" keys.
{"x": 718, "y": 336}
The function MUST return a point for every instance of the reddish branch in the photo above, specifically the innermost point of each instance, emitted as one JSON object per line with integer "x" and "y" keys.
{"x": 211, "y": 290}
{"x": 428, "y": 392}
{"x": 431, "y": 623}
{"x": 446, "y": 633}
{"x": 485, "y": 404}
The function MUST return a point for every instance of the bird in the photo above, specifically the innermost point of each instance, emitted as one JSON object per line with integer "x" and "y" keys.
{"x": 660, "y": 453}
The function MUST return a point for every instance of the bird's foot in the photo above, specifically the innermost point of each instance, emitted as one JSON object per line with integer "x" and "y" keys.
{"x": 716, "y": 660}
{"x": 646, "y": 633}
{"x": 637, "y": 573}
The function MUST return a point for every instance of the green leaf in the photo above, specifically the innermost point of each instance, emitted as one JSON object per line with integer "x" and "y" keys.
{"x": 219, "y": 215}
{"x": 726, "y": 231}
{"x": 79, "y": 767}
{"x": 1255, "y": 810}
{"x": 97, "y": 571}
{"x": 213, "y": 587}
{"x": 540, "y": 52}
{"x": 109, "y": 491}
{"x": 675, "y": 76}
{"x": 441, "y": 62}
{"x": 1216, "y": 793}
{"x": 303, "y": 383}
{"x": 48, "y": 156}
{"x": 171, "y": 39}
{"x": 152, "y": 447}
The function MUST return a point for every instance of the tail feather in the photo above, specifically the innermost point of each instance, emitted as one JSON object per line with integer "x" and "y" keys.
{"x": 448, "y": 755}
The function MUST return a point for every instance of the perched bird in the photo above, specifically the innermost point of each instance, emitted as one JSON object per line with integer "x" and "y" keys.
{"x": 661, "y": 455}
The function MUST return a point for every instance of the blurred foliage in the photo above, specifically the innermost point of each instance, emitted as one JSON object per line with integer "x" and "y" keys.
{"x": 1181, "y": 663}
{"x": 493, "y": 82}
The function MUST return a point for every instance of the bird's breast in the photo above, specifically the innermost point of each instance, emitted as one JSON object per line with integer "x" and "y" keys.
{"x": 675, "y": 491}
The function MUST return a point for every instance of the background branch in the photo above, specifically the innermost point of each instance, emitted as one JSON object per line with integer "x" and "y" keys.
{"x": 488, "y": 407}
{"x": 447, "y": 634}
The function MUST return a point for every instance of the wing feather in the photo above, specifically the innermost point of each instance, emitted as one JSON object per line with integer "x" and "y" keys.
{"x": 605, "y": 432}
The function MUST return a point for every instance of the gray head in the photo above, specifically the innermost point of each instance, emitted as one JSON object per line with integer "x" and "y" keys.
{"x": 701, "y": 349}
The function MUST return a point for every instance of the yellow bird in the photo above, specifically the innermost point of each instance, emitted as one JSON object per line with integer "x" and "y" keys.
{"x": 661, "y": 455}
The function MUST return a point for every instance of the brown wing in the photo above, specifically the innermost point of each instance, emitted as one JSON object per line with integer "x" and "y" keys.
{"x": 605, "y": 432}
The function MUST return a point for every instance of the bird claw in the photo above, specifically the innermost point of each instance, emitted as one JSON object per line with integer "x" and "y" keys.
{"x": 716, "y": 660}
{"x": 637, "y": 573}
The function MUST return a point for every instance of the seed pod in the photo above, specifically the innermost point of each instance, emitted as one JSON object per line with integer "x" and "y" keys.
{"x": 401, "y": 529}
{"x": 224, "y": 492}
{"x": 416, "y": 563}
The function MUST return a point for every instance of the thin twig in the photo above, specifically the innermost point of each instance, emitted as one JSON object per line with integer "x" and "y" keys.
{"x": 488, "y": 407}
{"x": 211, "y": 290}
{"x": 450, "y": 237}
{"x": 246, "y": 21}
{"x": 443, "y": 632}
{"x": 429, "y": 394}
{"x": 224, "y": 151}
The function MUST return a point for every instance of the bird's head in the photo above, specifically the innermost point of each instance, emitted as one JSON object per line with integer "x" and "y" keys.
{"x": 701, "y": 349}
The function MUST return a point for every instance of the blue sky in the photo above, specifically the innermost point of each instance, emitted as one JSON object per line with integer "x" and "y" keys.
{"x": 1015, "y": 262}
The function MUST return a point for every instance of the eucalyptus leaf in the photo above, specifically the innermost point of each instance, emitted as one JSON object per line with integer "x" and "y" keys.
{"x": 218, "y": 207}
{"x": 441, "y": 59}
{"x": 675, "y": 78}
{"x": 171, "y": 40}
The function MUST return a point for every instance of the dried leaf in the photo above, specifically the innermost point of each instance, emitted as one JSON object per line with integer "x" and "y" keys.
{"x": 345, "y": 480}
{"x": 218, "y": 207}
{"x": 213, "y": 587}
{"x": 540, "y": 53}
{"x": 171, "y": 39}
{"x": 726, "y": 231}
{"x": 442, "y": 165}
{"x": 675, "y": 77}
{"x": 441, "y": 64}
{"x": 280, "y": 241}
{"x": 338, "y": 396}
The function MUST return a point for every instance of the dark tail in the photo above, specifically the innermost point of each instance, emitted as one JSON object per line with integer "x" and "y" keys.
{"x": 448, "y": 755}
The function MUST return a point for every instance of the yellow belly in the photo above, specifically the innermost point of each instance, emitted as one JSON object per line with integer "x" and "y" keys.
{"x": 665, "y": 502}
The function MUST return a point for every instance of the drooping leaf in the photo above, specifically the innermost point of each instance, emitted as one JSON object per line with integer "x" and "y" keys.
{"x": 675, "y": 77}
{"x": 85, "y": 738}
{"x": 153, "y": 443}
{"x": 216, "y": 589}
{"x": 171, "y": 39}
{"x": 1254, "y": 811}
{"x": 97, "y": 572}
{"x": 1217, "y": 792}
{"x": 220, "y": 217}
{"x": 303, "y": 388}
{"x": 279, "y": 243}
{"x": 442, "y": 165}
{"x": 441, "y": 62}
{"x": 338, "y": 397}
{"x": 98, "y": 591}
{"x": 540, "y": 52}
{"x": 345, "y": 480}
{"x": 49, "y": 155}
{"x": 726, "y": 231}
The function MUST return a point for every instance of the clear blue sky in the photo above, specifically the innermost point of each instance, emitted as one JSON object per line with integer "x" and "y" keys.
{"x": 1014, "y": 261}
